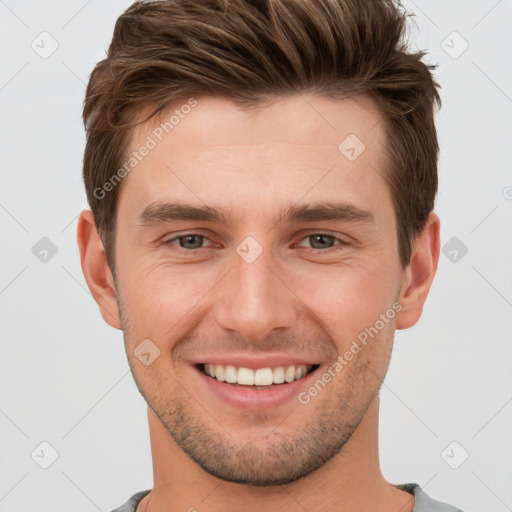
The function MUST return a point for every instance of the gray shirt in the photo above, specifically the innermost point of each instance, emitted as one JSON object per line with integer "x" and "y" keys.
{"x": 423, "y": 502}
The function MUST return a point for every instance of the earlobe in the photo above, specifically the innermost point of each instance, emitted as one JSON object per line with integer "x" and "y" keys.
{"x": 419, "y": 274}
{"x": 96, "y": 270}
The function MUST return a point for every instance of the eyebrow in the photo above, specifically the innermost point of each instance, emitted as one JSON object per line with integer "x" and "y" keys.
{"x": 161, "y": 212}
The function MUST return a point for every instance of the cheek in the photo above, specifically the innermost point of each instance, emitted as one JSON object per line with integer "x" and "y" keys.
{"x": 347, "y": 299}
{"x": 159, "y": 296}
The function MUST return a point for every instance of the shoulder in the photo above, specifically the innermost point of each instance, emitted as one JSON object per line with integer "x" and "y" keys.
{"x": 131, "y": 504}
{"x": 423, "y": 502}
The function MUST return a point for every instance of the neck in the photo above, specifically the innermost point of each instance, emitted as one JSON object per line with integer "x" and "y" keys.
{"x": 350, "y": 481}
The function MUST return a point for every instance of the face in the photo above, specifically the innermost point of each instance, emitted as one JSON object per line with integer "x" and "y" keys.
{"x": 283, "y": 253}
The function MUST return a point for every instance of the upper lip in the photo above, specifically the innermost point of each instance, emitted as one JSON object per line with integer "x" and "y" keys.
{"x": 254, "y": 362}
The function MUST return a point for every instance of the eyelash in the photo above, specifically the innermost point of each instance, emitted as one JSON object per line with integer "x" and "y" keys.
{"x": 341, "y": 246}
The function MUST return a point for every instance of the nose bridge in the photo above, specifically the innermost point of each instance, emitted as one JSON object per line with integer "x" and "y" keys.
{"x": 254, "y": 300}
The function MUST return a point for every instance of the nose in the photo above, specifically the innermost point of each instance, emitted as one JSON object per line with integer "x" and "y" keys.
{"x": 255, "y": 298}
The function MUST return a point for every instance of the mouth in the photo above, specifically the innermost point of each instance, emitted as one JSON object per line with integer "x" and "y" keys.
{"x": 259, "y": 378}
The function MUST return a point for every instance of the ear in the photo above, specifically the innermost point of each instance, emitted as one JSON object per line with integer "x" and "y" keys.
{"x": 96, "y": 270}
{"x": 419, "y": 274}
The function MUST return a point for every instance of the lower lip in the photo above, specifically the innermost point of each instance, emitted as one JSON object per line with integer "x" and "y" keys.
{"x": 253, "y": 399}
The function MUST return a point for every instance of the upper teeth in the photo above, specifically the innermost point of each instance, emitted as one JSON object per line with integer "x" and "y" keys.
{"x": 259, "y": 377}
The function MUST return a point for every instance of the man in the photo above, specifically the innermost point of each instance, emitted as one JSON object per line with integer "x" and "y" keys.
{"x": 262, "y": 176}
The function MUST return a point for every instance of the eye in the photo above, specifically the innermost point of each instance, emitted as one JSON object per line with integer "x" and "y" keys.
{"x": 188, "y": 241}
{"x": 320, "y": 242}
{"x": 323, "y": 242}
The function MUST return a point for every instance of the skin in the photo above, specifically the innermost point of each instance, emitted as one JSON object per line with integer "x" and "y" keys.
{"x": 297, "y": 298}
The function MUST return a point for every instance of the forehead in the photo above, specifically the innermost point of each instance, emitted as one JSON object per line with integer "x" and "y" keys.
{"x": 207, "y": 149}
{"x": 294, "y": 119}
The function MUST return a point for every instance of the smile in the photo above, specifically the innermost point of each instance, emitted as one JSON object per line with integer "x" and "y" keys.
{"x": 260, "y": 377}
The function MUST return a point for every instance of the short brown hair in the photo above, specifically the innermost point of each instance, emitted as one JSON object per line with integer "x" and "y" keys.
{"x": 250, "y": 51}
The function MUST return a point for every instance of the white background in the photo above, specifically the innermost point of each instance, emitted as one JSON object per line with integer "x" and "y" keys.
{"x": 64, "y": 373}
